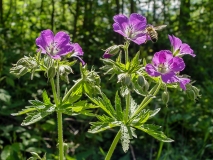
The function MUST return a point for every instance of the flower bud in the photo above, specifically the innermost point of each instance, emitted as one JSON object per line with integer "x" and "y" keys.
{"x": 126, "y": 80}
{"x": 48, "y": 62}
{"x": 191, "y": 94}
{"x": 165, "y": 97}
{"x": 111, "y": 51}
{"x": 146, "y": 86}
{"x": 141, "y": 80}
{"x": 51, "y": 72}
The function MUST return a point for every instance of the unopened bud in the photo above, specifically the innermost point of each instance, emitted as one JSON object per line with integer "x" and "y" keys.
{"x": 141, "y": 81}
{"x": 165, "y": 97}
{"x": 191, "y": 94}
{"x": 48, "y": 62}
{"x": 126, "y": 80}
{"x": 111, "y": 51}
{"x": 146, "y": 85}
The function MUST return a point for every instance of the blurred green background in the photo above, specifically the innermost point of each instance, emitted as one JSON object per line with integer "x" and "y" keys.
{"x": 89, "y": 23}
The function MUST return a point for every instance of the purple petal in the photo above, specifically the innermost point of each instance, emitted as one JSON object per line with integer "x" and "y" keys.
{"x": 118, "y": 29}
{"x": 61, "y": 39}
{"x": 183, "y": 82}
{"x": 169, "y": 77}
{"x": 79, "y": 58}
{"x": 107, "y": 55}
{"x": 152, "y": 71}
{"x": 41, "y": 44}
{"x": 122, "y": 21}
{"x": 65, "y": 50}
{"x": 45, "y": 39}
{"x": 176, "y": 64}
{"x": 140, "y": 39}
{"x": 77, "y": 49}
{"x": 185, "y": 49}
{"x": 137, "y": 21}
{"x": 162, "y": 56}
{"x": 175, "y": 42}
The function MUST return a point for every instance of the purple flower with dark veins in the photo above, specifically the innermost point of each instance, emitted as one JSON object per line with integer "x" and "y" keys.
{"x": 77, "y": 52}
{"x": 131, "y": 28}
{"x": 180, "y": 48}
{"x": 167, "y": 66}
{"x": 55, "y": 46}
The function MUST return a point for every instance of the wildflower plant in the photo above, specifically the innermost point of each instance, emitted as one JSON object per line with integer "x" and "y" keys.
{"x": 54, "y": 59}
{"x": 135, "y": 76}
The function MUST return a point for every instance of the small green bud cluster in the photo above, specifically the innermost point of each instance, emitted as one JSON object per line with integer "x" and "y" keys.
{"x": 23, "y": 66}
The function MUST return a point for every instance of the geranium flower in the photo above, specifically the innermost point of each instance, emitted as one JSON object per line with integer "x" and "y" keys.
{"x": 131, "y": 28}
{"x": 180, "y": 48}
{"x": 167, "y": 66}
{"x": 55, "y": 46}
{"x": 77, "y": 52}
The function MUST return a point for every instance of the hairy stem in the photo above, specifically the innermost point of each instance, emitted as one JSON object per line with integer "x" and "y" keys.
{"x": 113, "y": 145}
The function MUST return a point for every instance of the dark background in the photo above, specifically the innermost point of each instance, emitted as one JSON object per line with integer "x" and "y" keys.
{"x": 89, "y": 23}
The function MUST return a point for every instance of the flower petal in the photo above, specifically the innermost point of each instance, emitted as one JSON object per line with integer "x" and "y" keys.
{"x": 118, "y": 29}
{"x": 183, "y": 82}
{"x": 61, "y": 39}
{"x": 79, "y": 58}
{"x": 122, "y": 21}
{"x": 77, "y": 49}
{"x": 161, "y": 57}
{"x": 175, "y": 42}
{"x": 185, "y": 49}
{"x": 169, "y": 77}
{"x": 176, "y": 64}
{"x": 65, "y": 50}
{"x": 152, "y": 71}
{"x": 137, "y": 21}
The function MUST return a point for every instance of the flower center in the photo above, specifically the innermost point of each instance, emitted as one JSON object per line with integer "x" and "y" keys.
{"x": 163, "y": 68}
{"x": 52, "y": 49}
{"x": 130, "y": 31}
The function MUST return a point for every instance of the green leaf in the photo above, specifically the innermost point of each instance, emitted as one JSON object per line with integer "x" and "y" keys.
{"x": 4, "y": 96}
{"x": 105, "y": 104}
{"x": 118, "y": 108}
{"x": 101, "y": 126}
{"x": 6, "y": 152}
{"x": 125, "y": 138}
{"x": 153, "y": 130}
{"x": 46, "y": 99}
{"x": 38, "y": 114}
{"x": 152, "y": 113}
{"x": 24, "y": 111}
{"x": 124, "y": 91}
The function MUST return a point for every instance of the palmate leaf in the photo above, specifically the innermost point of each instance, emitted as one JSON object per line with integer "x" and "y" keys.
{"x": 100, "y": 126}
{"x": 104, "y": 103}
{"x": 153, "y": 130}
{"x": 37, "y": 115}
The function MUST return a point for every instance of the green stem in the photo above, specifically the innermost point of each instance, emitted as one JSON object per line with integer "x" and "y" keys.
{"x": 70, "y": 91}
{"x": 160, "y": 150}
{"x": 127, "y": 107}
{"x": 126, "y": 47}
{"x": 54, "y": 91}
{"x": 60, "y": 136}
{"x": 148, "y": 98}
{"x": 113, "y": 145}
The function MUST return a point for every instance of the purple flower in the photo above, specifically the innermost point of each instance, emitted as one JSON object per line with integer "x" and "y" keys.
{"x": 167, "y": 66}
{"x": 77, "y": 52}
{"x": 131, "y": 28}
{"x": 180, "y": 48}
{"x": 55, "y": 46}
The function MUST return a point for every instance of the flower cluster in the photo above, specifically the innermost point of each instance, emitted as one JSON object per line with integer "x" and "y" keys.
{"x": 165, "y": 63}
{"x": 58, "y": 45}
